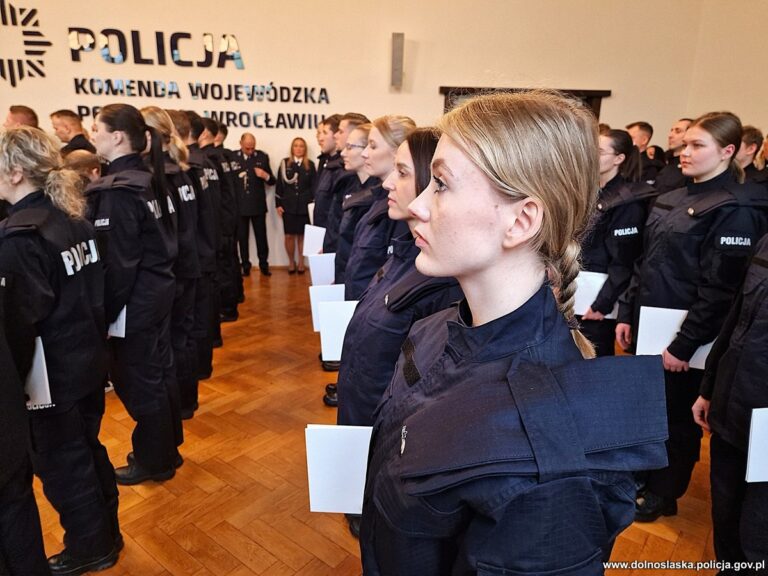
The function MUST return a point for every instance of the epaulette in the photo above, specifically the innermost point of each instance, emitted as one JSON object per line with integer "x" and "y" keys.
{"x": 24, "y": 221}
{"x": 357, "y": 199}
{"x": 626, "y": 194}
{"x": 171, "y": 168}
{"x": 135, "y": 180}
{"x": 603, "y": 414}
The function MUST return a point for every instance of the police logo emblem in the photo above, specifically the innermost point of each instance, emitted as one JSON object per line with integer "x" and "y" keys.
{"x": 31, "y": 64}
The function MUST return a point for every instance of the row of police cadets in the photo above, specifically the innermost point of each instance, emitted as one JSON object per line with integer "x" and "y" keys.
{"x": 140, "y": 260}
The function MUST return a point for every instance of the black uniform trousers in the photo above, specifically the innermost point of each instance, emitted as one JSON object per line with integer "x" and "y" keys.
{"x": 739, "y": 509}
{"x": 227, "y": 275}
{"x": 78, "y": 478}
{"x": 684, "y": 442}
{"x": 21, "y": 537}
{"x": 141, "y": 368}
{"x": 602, "y": 334}
{"x": 183, "y": 343}
{"x": 259, "y": 224}
{"x": 207, "y": 327}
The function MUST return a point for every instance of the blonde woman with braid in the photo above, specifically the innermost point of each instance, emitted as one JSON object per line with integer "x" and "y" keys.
{"x": 497, "y": 449}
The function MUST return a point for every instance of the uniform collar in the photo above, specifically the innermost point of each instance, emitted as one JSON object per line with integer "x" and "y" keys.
{"x": 720, "y": 181}
{"x": 530, "y": 324}
{"x": 404, "y": 247}
{"x": 29, "y": 201}
{"x": 127, "y": 162}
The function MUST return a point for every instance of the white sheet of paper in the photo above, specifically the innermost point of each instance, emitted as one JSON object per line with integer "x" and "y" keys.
{"x": 117, "y": 328}
{"x": 337, "y": 458}
{"x": 38, "y": 388}
{"x": 334, "y": 318}
{"x": 311, "y": 208}
{"x": 313, "y": 240}
{"x": 757, "y": 457}
{"x": 317, "y": 294}
{"x": 659, "y": 327}
{"x": 322, "y": 269}
{"x": 588, "y": 285}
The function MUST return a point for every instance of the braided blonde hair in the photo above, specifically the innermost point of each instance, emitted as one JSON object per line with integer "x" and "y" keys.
{"x": 37, "y": 156}
{"x": 538, "y": 144}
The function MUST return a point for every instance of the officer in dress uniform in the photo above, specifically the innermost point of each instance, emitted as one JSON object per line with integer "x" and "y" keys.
{"x": 698, "y": 241}
{"x": 615, "y": 238}
{"x": 55, "y": 282}
{"x": 254, "y": 175}
{"x": 136, "y": 233}
{"x": 734, "y": 385}
{"x": 489, "y": 454}
{"x": 372, "y": 243}
{"x": 181, "y": 192}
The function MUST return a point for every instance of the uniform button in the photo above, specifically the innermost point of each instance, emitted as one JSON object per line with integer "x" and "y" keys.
{"x": 691, "y": 211}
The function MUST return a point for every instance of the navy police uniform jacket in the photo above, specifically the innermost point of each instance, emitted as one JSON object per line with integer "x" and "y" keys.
{"x": 498, "y": 450}
{"x": 54, "y": 283}
{"x": 735, "y": 377}
{"x": 225, "y": 178}
{"x": 326, "y": 178}
{"x": 698, "y": 241}
{"x": 137, "y": 243}
{"x": 615, "y": 239}
{"x": 356, "y": 203}
{"x": 182, "y": 191}
{"x": 14, "y": 426}
{"x": 398, "y": 296}
{"x": 670, "y": 177}
{"x": 78, "y": 142}
{"x": 346, "y": 183}
{"x": 251, "y": 190}
{"x": 206, "y": 181}
{"x": 371, "y": 246}
{"x": 293, "y": 188}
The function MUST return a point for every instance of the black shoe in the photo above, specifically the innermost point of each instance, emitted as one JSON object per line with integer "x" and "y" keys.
{"x": 330, "y": 388}
{"x": 331, "y": 366}
{"x": 228, "y": 316}
{"x": 177, "y": 464}
{"x": 187, "y": 413}
{"x": 217, "y": 343}
{"x": 651, "y": 507}
{"x": 247, "y": 270}
{"x": 204, "y": 376}
{"x": 331, "y": 400}
{"x": 134, "y": 473}
{"x": 64, "y": 563}
{"x": 353, "y": 520}
{"x": 265, "y": 271}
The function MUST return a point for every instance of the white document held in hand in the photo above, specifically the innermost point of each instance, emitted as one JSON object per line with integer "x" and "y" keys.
{"x": 757, "y": 457}
{"x": 588, "y": 286}
{"x": 322, "y": 269}
{"x": 317, "y": 294}
{"x": 313, "y": 240}
{"x": 117, "y": 328}
{"x": 337, "y": 458}
{"x": 38, "y": 388}
{"x": 659, "y": 327}
{"x": 334, "y": 319}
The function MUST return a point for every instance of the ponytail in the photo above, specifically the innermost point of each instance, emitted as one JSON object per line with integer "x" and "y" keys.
{"x": 178, "y": 151}
{"x": 562, "y": 273}
{"x": 737, "y": 170}
{"x": 64, "y": 187}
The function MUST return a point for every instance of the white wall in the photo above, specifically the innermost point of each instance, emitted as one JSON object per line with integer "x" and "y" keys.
{"x": 661, "y": 59}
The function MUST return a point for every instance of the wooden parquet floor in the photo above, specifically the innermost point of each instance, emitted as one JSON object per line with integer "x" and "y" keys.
{"x": 239, "y": 504}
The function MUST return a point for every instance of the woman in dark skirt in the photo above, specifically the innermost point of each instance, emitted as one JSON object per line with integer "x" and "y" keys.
{"x": 293, "y": 193}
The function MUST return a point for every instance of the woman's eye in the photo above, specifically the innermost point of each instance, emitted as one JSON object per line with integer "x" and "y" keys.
{"x": 439, "y": 184}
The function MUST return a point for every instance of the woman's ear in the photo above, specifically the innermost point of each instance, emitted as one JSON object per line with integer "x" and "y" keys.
{"x": 524, "y": 221}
